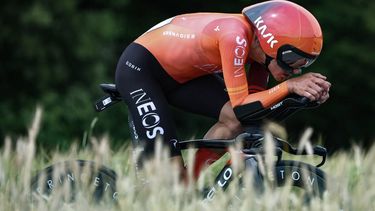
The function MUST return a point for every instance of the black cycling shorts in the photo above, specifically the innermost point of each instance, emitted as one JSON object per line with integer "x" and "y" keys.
{"x": 148, "y": 91}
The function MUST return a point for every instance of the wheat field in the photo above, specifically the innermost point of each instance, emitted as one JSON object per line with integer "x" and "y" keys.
{"x": 351, "y": 179}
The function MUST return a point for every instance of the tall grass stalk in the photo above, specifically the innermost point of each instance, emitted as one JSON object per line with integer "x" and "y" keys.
{"x": 351, "y": 180}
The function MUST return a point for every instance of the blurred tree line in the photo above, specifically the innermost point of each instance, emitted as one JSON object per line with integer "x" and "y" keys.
{"x": 55, "y": 53}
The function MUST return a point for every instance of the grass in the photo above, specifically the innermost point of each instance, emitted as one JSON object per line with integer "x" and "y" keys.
{"x": 350, "y": 187}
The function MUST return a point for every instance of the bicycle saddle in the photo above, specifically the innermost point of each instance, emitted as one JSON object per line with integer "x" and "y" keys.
{"x": 111, "y": 90}
{"x": 112, "y": 97}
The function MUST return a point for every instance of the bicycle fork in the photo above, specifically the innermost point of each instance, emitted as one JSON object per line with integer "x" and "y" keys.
{"x": 221, "y": 183}
{"x": 226, "y": 175}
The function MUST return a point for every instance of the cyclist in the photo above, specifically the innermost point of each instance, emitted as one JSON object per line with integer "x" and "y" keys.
{"x": 175, "y": 62}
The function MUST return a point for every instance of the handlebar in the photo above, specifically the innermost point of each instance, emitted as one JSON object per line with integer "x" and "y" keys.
{"x": 252, "y": 145}
{"x": 254, "y": 113}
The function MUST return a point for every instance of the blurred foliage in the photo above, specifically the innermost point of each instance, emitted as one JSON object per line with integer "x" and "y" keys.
{"x": 55, "y": 53}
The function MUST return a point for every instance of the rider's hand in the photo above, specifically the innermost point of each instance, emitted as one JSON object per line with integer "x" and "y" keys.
{"x": 324, "y": 97}
{"x": 311, "y": 85}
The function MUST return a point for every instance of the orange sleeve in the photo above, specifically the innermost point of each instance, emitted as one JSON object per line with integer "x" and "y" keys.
{"x": 268, "y": 97}
{"x": 234, "y": 51}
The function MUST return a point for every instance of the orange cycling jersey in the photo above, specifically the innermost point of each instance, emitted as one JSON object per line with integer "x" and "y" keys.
{"x": 192, "y": 45}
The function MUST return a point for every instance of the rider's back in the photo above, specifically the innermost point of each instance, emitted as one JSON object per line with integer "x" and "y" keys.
{"x": 188, "y": 46}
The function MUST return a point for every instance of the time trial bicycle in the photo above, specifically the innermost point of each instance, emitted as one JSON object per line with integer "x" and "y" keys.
{"x": 301, "y": 175}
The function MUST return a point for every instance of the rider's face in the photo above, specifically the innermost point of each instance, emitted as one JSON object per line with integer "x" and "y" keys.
{"x": 278, "y": 73}
{"x": 258, "y": 55}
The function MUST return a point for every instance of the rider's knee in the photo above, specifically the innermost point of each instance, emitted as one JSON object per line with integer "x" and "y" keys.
{"x": 233, "y": 125}
{"x": 229, "y": 119}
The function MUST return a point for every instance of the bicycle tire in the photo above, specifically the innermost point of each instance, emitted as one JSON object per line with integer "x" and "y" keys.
{"x": 78, "y": 174}
{"x": 295, "y": 173}
{"x": 301, "y": 175}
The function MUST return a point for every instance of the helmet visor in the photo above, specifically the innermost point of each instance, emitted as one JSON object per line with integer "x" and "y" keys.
{"x": 290, "y": 58}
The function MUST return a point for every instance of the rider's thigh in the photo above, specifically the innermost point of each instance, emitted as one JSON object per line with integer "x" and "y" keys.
{"x": 205, "y": 95}
{"x": 145, "y": 99}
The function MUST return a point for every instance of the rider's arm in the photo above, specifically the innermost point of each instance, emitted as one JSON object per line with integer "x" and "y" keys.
{"x": 268, "y": 97}
{"x": 233, "y": 50}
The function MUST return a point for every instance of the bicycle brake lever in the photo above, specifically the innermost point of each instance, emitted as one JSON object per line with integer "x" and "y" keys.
{"x": 304, "y": 100}
{"x": 301, "y": 102}
{"x": 308, "y": 103}
{"x": 320, "y": 151}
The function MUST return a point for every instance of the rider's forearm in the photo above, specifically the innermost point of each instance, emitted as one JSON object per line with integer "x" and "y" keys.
{"x": 268, "y": 97}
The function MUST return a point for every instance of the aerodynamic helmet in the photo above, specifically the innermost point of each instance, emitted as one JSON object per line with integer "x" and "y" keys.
{"x": 287, "y": 32}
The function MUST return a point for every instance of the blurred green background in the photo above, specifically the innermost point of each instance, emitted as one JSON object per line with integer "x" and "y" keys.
{"x": 55, "y": 53}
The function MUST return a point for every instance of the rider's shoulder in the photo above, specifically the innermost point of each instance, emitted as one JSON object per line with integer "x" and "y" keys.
{"x": 233, "y": 25}
{"x": 225, "y": 18}
{"x": 234, "y": 21}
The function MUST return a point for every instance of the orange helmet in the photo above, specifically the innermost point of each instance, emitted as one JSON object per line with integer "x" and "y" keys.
{"x": 287, "y": 32}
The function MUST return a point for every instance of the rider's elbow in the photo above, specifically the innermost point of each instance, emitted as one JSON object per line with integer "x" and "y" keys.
{"x": 243, "y": 111}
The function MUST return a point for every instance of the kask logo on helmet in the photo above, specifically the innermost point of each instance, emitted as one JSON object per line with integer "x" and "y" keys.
{"x": 262, "y": 27}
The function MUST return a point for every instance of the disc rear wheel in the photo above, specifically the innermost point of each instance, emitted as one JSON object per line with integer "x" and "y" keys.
{"x": 68, "y": 178}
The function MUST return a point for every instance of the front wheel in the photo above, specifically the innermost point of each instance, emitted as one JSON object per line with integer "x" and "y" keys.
{"x": 299, "y": 175}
